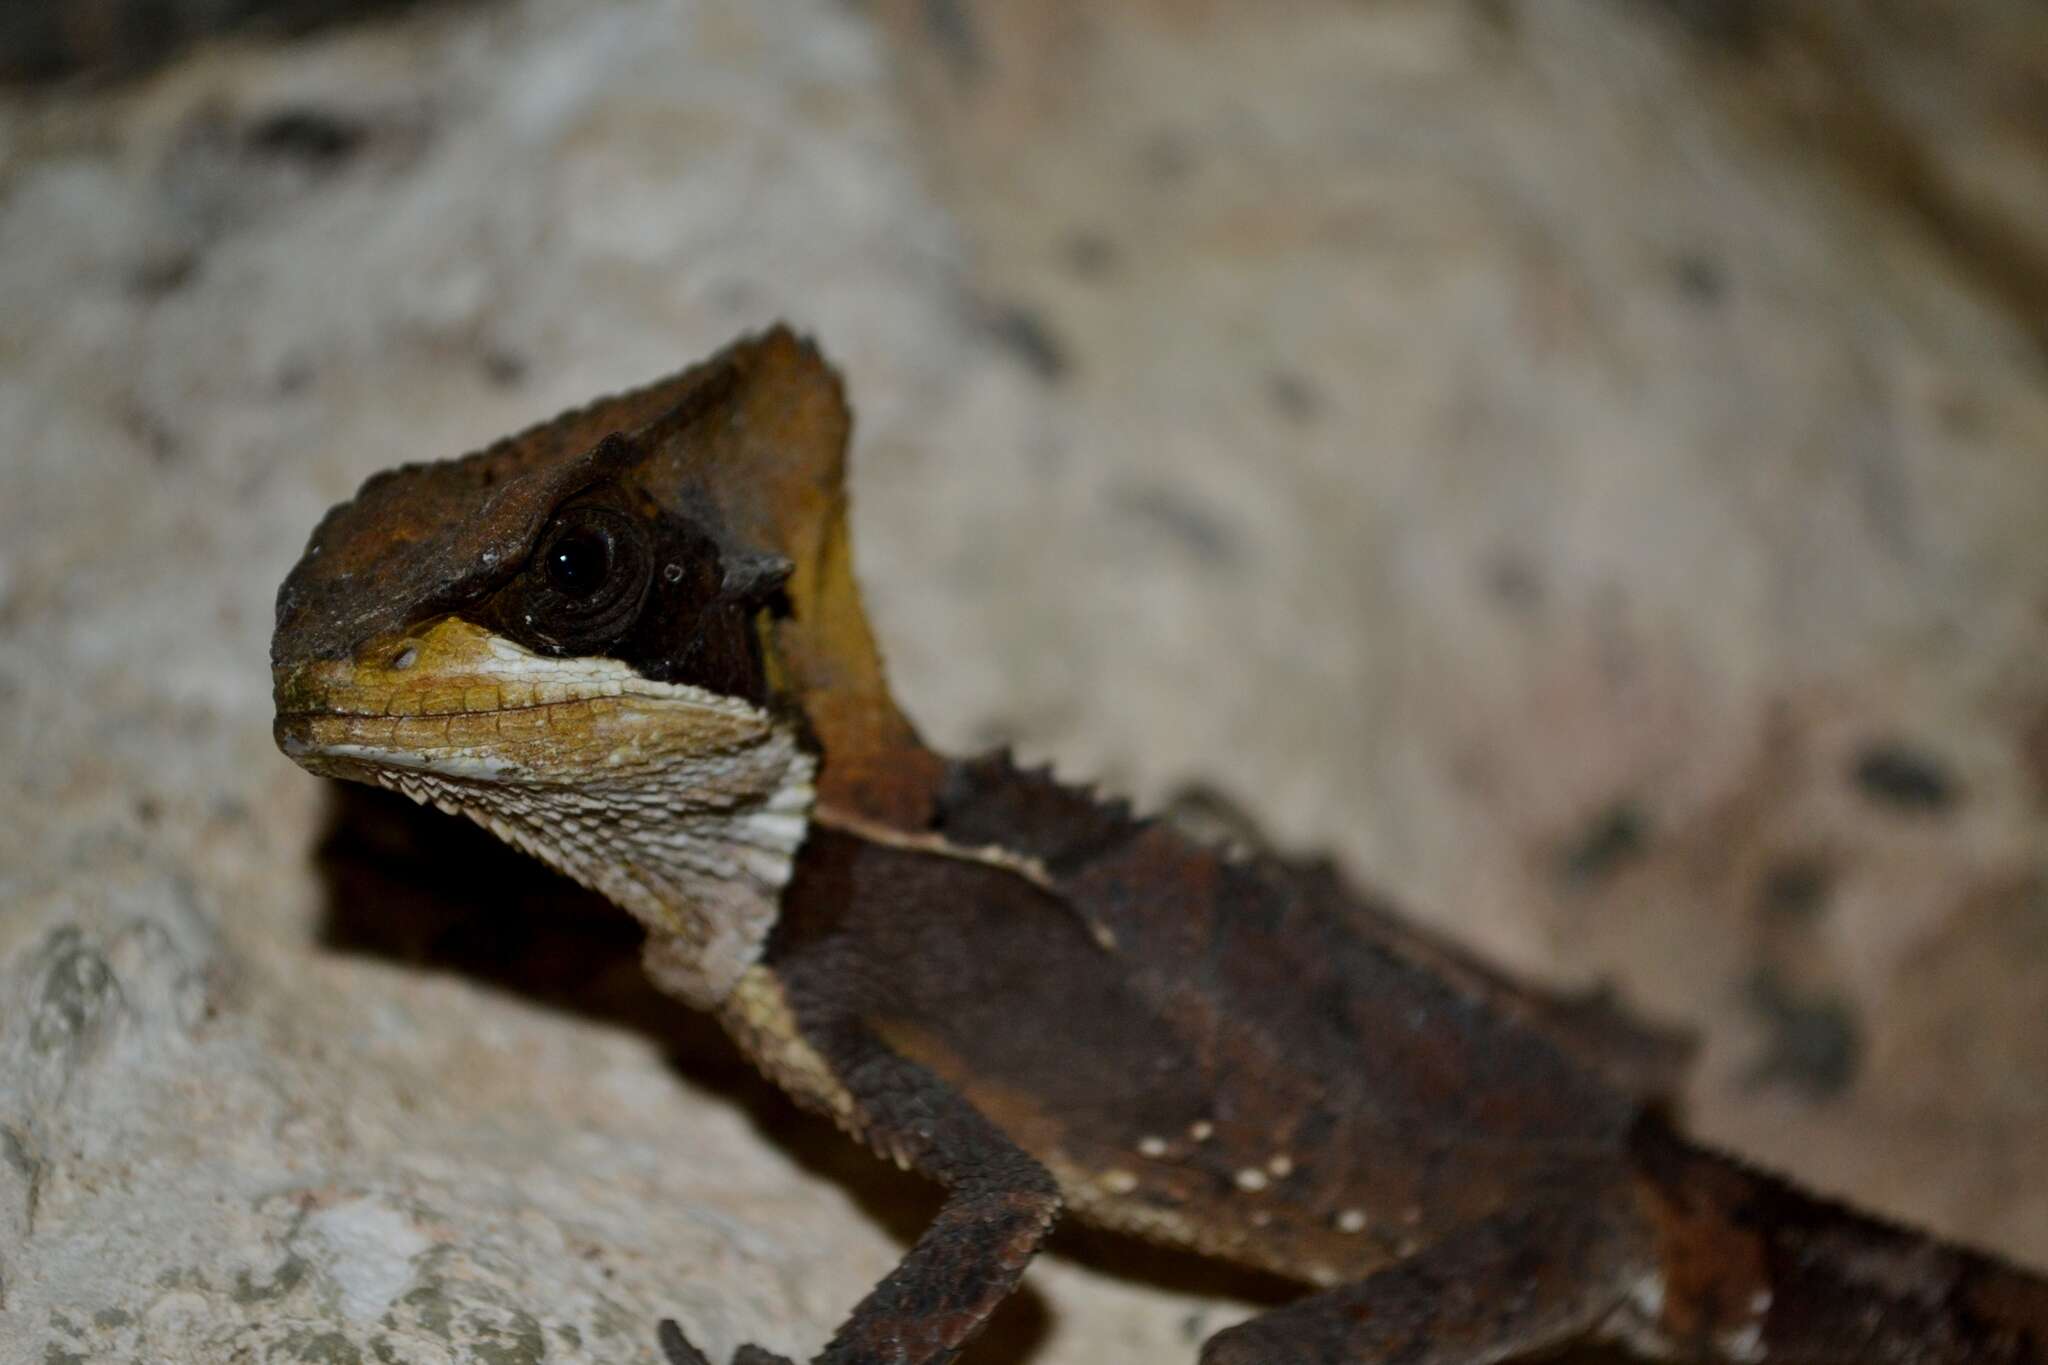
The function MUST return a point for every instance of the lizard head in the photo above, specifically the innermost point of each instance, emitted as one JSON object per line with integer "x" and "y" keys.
{"x": 620, "y": 640}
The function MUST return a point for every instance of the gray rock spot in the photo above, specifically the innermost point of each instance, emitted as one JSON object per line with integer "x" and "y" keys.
{"x": 517, "y": 1342}
{"x": 1904, "y": 778}
{"x": 1617, "y": 837}
{"x": 1814, "y": 1043}
{"x": 75, "y": 995}
{"x": 1185, "y": 520}
{"x": 317, "y": 1348}
{"x": 289, "y": 1275}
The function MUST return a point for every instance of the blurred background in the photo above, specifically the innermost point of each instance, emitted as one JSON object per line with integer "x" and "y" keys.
{"x": 1584, "y": 466}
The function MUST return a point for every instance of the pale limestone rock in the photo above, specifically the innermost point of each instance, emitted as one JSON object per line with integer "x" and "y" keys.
{"x": 1508, "y": 437}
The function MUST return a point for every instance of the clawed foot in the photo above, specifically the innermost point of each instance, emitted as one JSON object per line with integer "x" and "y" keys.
{"x": 679, "y": 1351}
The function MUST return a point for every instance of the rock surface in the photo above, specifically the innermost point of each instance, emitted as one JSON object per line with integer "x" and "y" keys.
{"x": 1581, "y": 464}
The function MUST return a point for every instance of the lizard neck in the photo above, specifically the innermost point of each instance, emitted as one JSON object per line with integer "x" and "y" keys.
{"x": 699, "y": 852}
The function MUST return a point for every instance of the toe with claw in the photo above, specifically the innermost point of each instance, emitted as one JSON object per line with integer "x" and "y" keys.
{"x": 677, "y": 1348}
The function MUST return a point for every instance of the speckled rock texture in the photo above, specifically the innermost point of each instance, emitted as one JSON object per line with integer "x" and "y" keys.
{"x": 1580, "y": 464}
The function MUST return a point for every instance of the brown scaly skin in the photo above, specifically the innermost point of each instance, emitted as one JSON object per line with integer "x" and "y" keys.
{"x": 1013, "y": 987}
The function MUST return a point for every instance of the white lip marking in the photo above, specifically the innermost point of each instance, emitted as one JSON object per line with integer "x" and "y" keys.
{"x": 468, "y": 764}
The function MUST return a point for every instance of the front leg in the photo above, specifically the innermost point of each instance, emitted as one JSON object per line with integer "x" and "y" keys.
{"x": 999, "y": 1207}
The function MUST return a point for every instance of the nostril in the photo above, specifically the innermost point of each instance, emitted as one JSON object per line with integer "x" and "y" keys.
{"x": 405, "y": 658}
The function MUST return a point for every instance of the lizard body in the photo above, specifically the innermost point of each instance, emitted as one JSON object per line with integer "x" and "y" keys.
{"x": 629, "y": 641}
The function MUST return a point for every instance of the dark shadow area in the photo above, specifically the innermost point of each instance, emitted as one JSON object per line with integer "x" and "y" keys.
{"x": 48, "y": 40}
{"x": 411, "y": 885}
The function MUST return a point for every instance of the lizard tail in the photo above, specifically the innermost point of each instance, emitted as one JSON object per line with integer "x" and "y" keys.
{"x": 1751, "y": 1269}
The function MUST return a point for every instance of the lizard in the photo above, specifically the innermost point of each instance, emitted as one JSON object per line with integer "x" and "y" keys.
{"x": 630, "y": 641}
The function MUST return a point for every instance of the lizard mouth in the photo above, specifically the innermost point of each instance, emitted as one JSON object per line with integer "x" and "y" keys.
{"x": 455, "y": 701}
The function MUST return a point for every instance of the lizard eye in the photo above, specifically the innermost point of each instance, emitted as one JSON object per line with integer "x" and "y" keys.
{"x": 579, "y": 561}
{"x": 588, "y": 579}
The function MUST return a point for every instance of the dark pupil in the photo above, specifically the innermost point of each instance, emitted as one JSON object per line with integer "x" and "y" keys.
{"x": 578, "y": 563}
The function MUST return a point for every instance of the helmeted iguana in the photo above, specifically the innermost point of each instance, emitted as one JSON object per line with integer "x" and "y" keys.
{"x": 629, "y": 641}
